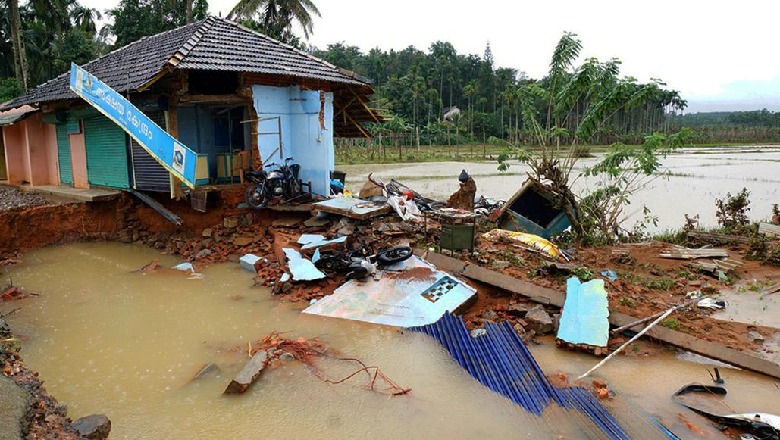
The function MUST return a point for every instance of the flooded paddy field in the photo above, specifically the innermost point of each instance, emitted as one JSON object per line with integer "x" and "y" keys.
{"x": 696, "y": 178}
{"x": 107, "y": 338}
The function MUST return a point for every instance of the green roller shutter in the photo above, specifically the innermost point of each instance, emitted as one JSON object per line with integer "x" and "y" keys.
{"x": 107, "y": 163}
{"x": 63, "y": 154}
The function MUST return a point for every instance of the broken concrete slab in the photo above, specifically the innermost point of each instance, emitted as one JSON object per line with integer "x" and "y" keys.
{"x": 353, "y": 208}
{"x": 585, "y": 316}
{"x": 414, "y": 293}
{"x": 311, "y": 242}
{"x": 316, "y": 222}
{"x": 248, "y": 374}
{"x": 243, "y": 240}
{"x": 248, "y": 261}
{"x": 539, "y": 320}
{"x": 301, "y": 268}
{"x": 286, "y": 222}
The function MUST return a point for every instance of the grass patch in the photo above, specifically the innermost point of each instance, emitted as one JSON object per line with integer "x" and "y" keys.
{"x": 671, "y": 324}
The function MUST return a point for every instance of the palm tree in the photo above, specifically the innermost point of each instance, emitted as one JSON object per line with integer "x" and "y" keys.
{"x": 277, "y": 16}
{"x": 20, "y": 57}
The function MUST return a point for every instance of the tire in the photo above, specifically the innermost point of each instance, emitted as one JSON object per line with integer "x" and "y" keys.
{"x": 257, "y": 195}
{"x": 394, "y": 254}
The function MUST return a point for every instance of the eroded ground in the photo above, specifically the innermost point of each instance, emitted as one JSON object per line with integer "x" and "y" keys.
{"x": 646, "y": 284}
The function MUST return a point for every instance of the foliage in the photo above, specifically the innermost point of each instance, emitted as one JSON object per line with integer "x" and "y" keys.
{"x": 621, "y": 173}
{"x": 732, "y": 211}
{"x": 134, "y": 19}
{"x": 9, "y": 89}
{"x": 583, "y": 273}
{"x": 763, "y": 250}
{"x": 276, "y": 18}
{"x": 628, "y": 302}
{"x": 671, "y": 324}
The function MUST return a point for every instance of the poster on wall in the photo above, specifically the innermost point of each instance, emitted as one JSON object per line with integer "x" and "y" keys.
{"x": 170, "y": 153}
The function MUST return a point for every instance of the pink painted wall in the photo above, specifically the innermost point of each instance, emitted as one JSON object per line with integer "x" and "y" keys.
{"x": 15, "y": 154}
{"x": 41, "y": 141}
{"x": 78, "y": 158}
{"x": 31, "y": 152}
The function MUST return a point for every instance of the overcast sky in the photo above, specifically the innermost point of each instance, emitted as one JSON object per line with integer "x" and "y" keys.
{"x": 718, "y": 54}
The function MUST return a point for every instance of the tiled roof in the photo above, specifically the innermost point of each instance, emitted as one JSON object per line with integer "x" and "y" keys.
{"x": 211, "y": 44}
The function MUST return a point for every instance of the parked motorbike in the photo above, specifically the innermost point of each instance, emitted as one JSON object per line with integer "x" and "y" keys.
{"x": 358, "y": 266}
{"x": 280, "y": 183}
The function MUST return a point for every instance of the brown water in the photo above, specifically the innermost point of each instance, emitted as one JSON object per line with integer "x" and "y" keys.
{"x": 110, "y": 340}
{"x": 699, "y": 176}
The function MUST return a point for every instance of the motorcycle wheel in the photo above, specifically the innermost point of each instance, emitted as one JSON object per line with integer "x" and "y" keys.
{"x": 394, "y": 254}
{"x": 333, "y": 263}
{"x": 357, "y": 273}
{"x": 257, "y": 195}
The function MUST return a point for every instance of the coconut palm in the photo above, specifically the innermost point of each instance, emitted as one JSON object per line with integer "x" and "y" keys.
{"x": 276, "y": 16}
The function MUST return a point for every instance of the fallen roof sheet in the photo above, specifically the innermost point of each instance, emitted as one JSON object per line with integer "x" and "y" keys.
{"x": 414, "y": 293}
{"x": 301, "y": 268}
{"x": 500, "y": 361}
{"x": 585, "y": 316}
{"x": 357, "y": 209}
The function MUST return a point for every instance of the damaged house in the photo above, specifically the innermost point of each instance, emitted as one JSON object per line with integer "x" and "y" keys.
{"x": 235, "y": 97}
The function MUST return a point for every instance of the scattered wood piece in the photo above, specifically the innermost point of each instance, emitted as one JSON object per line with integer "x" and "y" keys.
{"x": 682, "y": 253}
{"x": 205, "y": 370}
{"x": 768, "y": 291}
{"x": 769, "y": 229}
{"x": 725, "y": 265}
{"x": 248, "y": 374}
{"x": 637, "y": 336}
{"x": 716, "y": 238}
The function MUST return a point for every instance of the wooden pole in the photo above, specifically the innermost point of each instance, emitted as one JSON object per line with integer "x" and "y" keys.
{"x": 637, "y": 336}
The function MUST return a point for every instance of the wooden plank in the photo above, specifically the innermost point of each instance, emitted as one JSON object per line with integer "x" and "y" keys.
{"x": 681, "y": 253}
{"x": 549, "y": 296}
{"x": 248, "y": 374}
{"x": 769, "y": 229}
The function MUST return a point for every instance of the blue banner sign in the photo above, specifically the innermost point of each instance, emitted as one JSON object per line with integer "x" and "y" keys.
{"x": 172, "y": 154}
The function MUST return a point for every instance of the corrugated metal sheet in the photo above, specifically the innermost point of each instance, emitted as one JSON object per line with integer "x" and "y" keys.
{"x": 500, "y": 361}
{"x": 63, "y": 155}
{"x": 149, "y": 175}
{"x": 107, "y": 158}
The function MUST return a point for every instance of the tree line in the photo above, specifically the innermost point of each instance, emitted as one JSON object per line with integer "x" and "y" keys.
{"x": 434, "y": 96}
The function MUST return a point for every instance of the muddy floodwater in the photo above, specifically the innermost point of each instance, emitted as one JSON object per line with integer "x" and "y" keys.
{"x": 696, "y": 178}
{"x": 109, "y": 339}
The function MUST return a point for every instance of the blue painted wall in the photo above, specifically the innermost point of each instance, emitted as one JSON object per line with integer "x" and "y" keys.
{"x": 302, "y": 138}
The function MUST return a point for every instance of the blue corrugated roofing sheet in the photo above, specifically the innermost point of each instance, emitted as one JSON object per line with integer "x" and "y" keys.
{"x": 501, "y": 361}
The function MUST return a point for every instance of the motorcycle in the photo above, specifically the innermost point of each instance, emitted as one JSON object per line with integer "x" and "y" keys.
{"x": 281, "y": 183}
{"x": 358, "y": 266}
